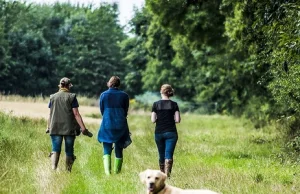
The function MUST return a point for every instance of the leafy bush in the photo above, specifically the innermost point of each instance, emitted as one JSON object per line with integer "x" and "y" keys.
{"x": 258, "y": 111}
{"x": 146, "y": 100}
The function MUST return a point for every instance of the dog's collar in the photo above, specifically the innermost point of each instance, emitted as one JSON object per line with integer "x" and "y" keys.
{"x": 160, "y": 189}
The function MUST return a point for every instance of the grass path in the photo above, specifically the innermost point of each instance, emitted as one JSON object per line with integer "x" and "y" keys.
{"x": 44, "y": 176}
{"x": 215, "y": 152}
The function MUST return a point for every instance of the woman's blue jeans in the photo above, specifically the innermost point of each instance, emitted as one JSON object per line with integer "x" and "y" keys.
{"x": 108, "y": 147}
{"x": 69, "y": 143}
{"x": 166, "y": 143}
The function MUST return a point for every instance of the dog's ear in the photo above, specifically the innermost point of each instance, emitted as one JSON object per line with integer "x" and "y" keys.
{"x": 143, "y": 176}
{"x": 163, "y": 176}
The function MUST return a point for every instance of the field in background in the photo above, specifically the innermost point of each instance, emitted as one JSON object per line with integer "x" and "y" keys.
{"x": 215, "y": 152}
{"x": 37, "y": 107}
{"x": 82, "y": 100}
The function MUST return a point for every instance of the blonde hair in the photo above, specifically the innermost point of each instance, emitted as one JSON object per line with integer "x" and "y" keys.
{"x": 167, "y": 90}
{"x": 114, "y": 82}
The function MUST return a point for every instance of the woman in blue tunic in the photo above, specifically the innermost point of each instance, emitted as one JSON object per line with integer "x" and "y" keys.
{"x": 114, "y": 105}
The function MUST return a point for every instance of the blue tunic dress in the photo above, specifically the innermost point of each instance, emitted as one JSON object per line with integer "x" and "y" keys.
{"x": 114, "y": 105}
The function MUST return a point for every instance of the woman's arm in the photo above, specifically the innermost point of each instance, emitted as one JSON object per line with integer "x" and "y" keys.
{"x": 177, "y": 117}
{"x": 101, "y": 105}
{"x": 153, "y": 117}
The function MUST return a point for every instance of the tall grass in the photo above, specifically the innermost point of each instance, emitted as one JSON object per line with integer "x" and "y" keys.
{"x": 18, "y": 98}
{"x": 215, "y": 152}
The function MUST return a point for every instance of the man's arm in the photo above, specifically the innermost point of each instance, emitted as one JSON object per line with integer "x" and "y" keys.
{"x": 79, "y": 119}
{"x": 48, "y": 124}
{"x": 48, "y": 121}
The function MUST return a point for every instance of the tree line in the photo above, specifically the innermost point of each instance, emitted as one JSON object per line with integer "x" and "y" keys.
{"x": 241, "y": 55}
{"x": 39, "y": 44}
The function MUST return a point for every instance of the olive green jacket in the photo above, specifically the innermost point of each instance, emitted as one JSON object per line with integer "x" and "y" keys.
{"x": 62, "y": 119}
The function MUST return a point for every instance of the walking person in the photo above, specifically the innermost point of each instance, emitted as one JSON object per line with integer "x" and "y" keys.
{"x": 114, "y": 131}
{"x": 165, "y": 113}
{"x": 64, "y": 123}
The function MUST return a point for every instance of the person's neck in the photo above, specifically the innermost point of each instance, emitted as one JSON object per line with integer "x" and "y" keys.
{"x": 64, "y": 89}
{"x": 163, "y": 97}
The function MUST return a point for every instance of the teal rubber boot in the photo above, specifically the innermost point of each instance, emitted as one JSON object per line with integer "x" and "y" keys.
{"x": 107, "y": 164}
{"x": 118, "y": 165}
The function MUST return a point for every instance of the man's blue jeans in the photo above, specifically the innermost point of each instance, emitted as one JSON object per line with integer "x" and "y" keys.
{"x": 166, "y": 143}
{"x": 69, "y": 143}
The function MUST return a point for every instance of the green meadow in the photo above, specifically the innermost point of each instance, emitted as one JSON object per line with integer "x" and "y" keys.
{"x": 221, "y": 153}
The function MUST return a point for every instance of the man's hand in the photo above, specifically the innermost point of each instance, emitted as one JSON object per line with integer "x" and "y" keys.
{"x": 86, "y": 132}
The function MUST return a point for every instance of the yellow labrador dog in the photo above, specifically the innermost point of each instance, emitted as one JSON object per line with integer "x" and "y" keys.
{"x": 155, "y": 182}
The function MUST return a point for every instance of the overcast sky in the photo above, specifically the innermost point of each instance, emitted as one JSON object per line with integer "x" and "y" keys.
{"x": 125, "y": 6}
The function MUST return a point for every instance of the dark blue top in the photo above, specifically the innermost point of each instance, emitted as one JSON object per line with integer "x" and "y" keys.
{"x": 114, "y": 105}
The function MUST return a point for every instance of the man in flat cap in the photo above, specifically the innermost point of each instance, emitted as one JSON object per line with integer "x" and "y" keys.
{"x": 65, "y": 122}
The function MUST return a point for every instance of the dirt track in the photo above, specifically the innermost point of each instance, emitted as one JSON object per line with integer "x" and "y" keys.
{"x": 41, "y": 110}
